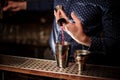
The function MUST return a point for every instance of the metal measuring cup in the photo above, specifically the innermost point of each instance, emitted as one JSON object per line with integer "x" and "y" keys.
{"x": 80, "y": 58}
{"x": 62, "y": 54}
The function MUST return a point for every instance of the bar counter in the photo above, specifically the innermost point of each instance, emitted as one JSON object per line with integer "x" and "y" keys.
{"x": 48, "y": 68}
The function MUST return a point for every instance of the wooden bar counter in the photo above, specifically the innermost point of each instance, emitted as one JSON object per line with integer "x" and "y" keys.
{"x": 48, "y": 68}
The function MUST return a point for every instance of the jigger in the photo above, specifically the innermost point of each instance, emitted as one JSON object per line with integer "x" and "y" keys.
{"x": 60, "y": 21}
{"x": 80, "y": 58}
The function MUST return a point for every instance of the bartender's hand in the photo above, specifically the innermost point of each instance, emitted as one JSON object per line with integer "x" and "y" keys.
{"x": 15, "y": 6}
{"x": 75, "y": 29}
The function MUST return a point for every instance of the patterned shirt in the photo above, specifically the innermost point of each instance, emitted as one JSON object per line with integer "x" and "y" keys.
{"x": 100, "y": 20}
{"x": 97, "y": 21}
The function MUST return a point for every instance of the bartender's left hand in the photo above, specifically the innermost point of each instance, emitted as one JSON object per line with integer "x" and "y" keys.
{"x": 74, "y": 29}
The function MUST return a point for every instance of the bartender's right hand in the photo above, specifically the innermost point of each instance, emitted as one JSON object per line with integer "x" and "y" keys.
{"x": 15, "y": 6}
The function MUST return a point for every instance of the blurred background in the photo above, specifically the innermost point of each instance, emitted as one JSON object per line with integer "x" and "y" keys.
{"x": 25, "y": 33}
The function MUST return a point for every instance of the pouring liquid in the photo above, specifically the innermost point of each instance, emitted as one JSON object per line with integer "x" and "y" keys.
{"x": 61, "y": 22}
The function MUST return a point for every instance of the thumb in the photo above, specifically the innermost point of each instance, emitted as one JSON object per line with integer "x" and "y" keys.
{"x": 75, "y": 18}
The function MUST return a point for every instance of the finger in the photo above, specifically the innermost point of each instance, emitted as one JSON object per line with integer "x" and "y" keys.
{"x": 6, "y": 8}
{"x": 75, "y": 18}
{"x": 57, "y": 15}
{"x": 63, "y": 14}
{"x": 78, "y": 22}
{"x": 54, "y": 12}
{"x": 9, "y": 6}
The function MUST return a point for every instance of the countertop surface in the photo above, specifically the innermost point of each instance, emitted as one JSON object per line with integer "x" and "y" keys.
{"x": 42, "y": 67}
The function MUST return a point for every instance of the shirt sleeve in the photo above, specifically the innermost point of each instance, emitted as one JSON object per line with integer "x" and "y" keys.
{"x": 39, "y": 5}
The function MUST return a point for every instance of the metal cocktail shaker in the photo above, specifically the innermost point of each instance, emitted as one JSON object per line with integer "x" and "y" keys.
{"x": 62, "y": 54}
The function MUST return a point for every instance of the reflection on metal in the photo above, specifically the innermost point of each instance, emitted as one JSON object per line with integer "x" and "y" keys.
{"x": 80, "y": 58}
{"x": 62, "y": 54}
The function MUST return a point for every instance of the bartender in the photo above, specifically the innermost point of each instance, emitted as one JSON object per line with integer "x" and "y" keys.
{"x": 91, "y": 25}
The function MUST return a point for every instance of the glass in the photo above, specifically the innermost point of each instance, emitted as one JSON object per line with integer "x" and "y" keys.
{"x": 80, "y": 58}
{"x": 62, "y": 54}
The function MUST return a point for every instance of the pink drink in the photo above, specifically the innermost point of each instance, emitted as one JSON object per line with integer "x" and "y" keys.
{"x": 62, "y": 35}
{"x": 61, "y": 22}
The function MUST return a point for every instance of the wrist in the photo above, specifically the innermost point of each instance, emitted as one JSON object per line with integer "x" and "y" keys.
{"x": 86, "y": 40}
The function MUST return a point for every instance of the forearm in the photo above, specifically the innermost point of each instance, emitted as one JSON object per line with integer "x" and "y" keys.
{"x": 85, "y": 40}
{"x": 23, "y": 5}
